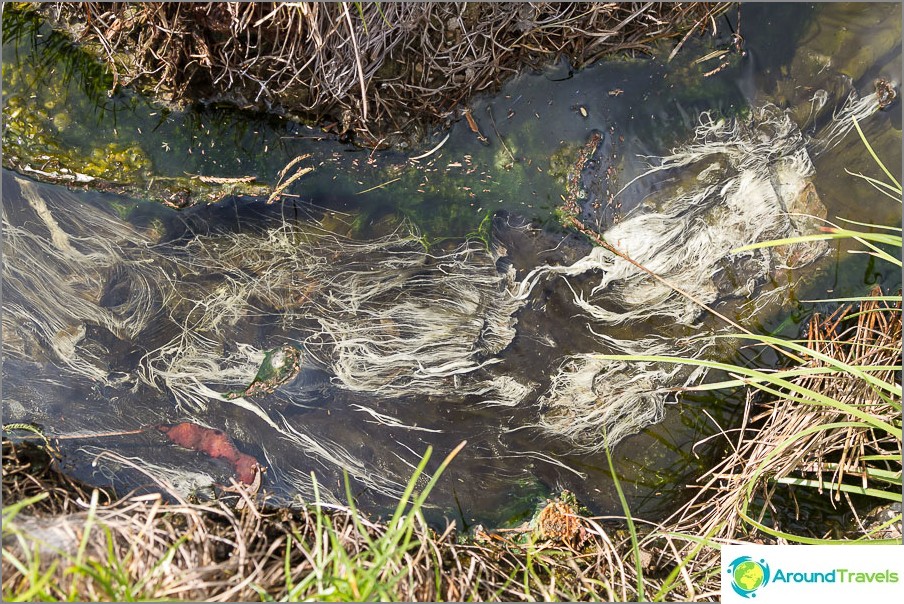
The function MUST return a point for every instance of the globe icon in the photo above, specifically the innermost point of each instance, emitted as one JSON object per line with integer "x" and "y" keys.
{"x": 748, "y": 575}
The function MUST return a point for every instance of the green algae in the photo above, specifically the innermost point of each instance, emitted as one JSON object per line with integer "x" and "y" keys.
{"x": 66, "y": 121}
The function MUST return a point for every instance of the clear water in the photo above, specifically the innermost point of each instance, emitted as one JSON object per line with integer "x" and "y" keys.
{"x": 646, "y": 105}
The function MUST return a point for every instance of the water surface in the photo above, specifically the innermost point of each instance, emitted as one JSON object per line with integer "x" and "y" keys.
{"x": 535, "y": 127}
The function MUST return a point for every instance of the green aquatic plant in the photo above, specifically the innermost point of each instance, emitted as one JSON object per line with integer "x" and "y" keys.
{"x": 484, "y": 231}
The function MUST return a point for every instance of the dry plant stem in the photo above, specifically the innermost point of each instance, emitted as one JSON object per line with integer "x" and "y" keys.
{"x": 598, "y": 239}
{"x": 871, "y": 337}
{"x": 351, "y": 32}
{"x": 379, "y": 71}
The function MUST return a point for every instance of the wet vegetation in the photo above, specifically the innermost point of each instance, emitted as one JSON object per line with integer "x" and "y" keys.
{"x": 822, "y": 439}
{"x": 807, "y": 406}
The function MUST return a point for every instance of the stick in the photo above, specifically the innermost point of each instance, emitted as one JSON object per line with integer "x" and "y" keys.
{"x": 351, "y": 32}
{"x": 602, "y": 242}
{"x": 379, "y": 186}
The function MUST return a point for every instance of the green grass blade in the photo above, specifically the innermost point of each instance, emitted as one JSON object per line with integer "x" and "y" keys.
{"x": 439, "y": 471}
{"x": 877, "y": 252}
{"x": 762, "y": 378}
{"x": 784, "y": 374}
{"x": 705, "y": 541}
{"x": 858, "y": 299}
{"x": 813, "y": 540}
{"x": 889, "y": 457}
{"x": 865, "y": 312}
{"x": 846, "y": 488}
{"x": 882, "y": 227}
{"x": 874, "y": 156}
{"x": 894, "y": 389}
{"x": 361, "y": 15}
{"x": 355, "y": 516}
{"x": 807, "y": 398}
{"x": 39, "y": 584}
{"x": 409, "y": 488}
{"x": 889, "y": 476}
{"x": 10, "y": 511}
{"x": 883, "y": 238}
{"x": 632, "y": 530}
{"x": 83, "y": 544}
{"x": 881, "y": 187}
{"x": 896, "y": 520}
{"x": 779, "y": 343}
{"x": 757, "y": 473}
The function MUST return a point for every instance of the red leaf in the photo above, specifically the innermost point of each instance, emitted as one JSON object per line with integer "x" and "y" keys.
{"x": 214, "y": 443}
{"x": 246, "y": 468}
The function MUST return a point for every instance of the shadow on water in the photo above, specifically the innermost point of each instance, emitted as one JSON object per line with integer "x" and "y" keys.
{"x": 56, "y": 102}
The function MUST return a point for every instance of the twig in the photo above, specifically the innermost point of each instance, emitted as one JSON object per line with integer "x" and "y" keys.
{"x": 351, "y": 32}
{"x": 501, "y": 140}
{"x": 379, "y": 186}
{"x": 433, "y": 150}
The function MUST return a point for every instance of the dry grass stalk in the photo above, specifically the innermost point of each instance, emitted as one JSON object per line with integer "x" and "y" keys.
{"x": 218, "y": 553}
{"x": 868, "y": 335}
{"x": 378, "y": 70}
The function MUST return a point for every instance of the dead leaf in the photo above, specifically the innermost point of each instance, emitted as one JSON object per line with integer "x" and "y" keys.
{"x": 216, "y": 444}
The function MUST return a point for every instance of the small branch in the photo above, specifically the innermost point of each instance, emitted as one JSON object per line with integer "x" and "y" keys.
{"x": 499, "y": 136}
{"x": 351, "y": 32}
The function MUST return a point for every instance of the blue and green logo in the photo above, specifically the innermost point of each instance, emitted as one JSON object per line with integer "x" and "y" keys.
{"x": 748, "y": 575}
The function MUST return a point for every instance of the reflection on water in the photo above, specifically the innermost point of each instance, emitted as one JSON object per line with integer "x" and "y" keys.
{"x": 120, "y": 314}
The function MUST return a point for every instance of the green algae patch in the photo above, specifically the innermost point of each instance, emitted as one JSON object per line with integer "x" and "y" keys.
{"x": 66, "y": 121}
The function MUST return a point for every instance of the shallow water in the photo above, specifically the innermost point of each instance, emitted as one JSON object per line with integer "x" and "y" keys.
{"x": 534, "y": 125}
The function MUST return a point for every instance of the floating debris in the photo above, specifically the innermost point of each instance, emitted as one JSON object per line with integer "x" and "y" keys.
{"x": 279, "y": 366}
{"x": 472, "y": 124}
{"x": 885, "y": 93}
{"x": 216, "y": 444}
